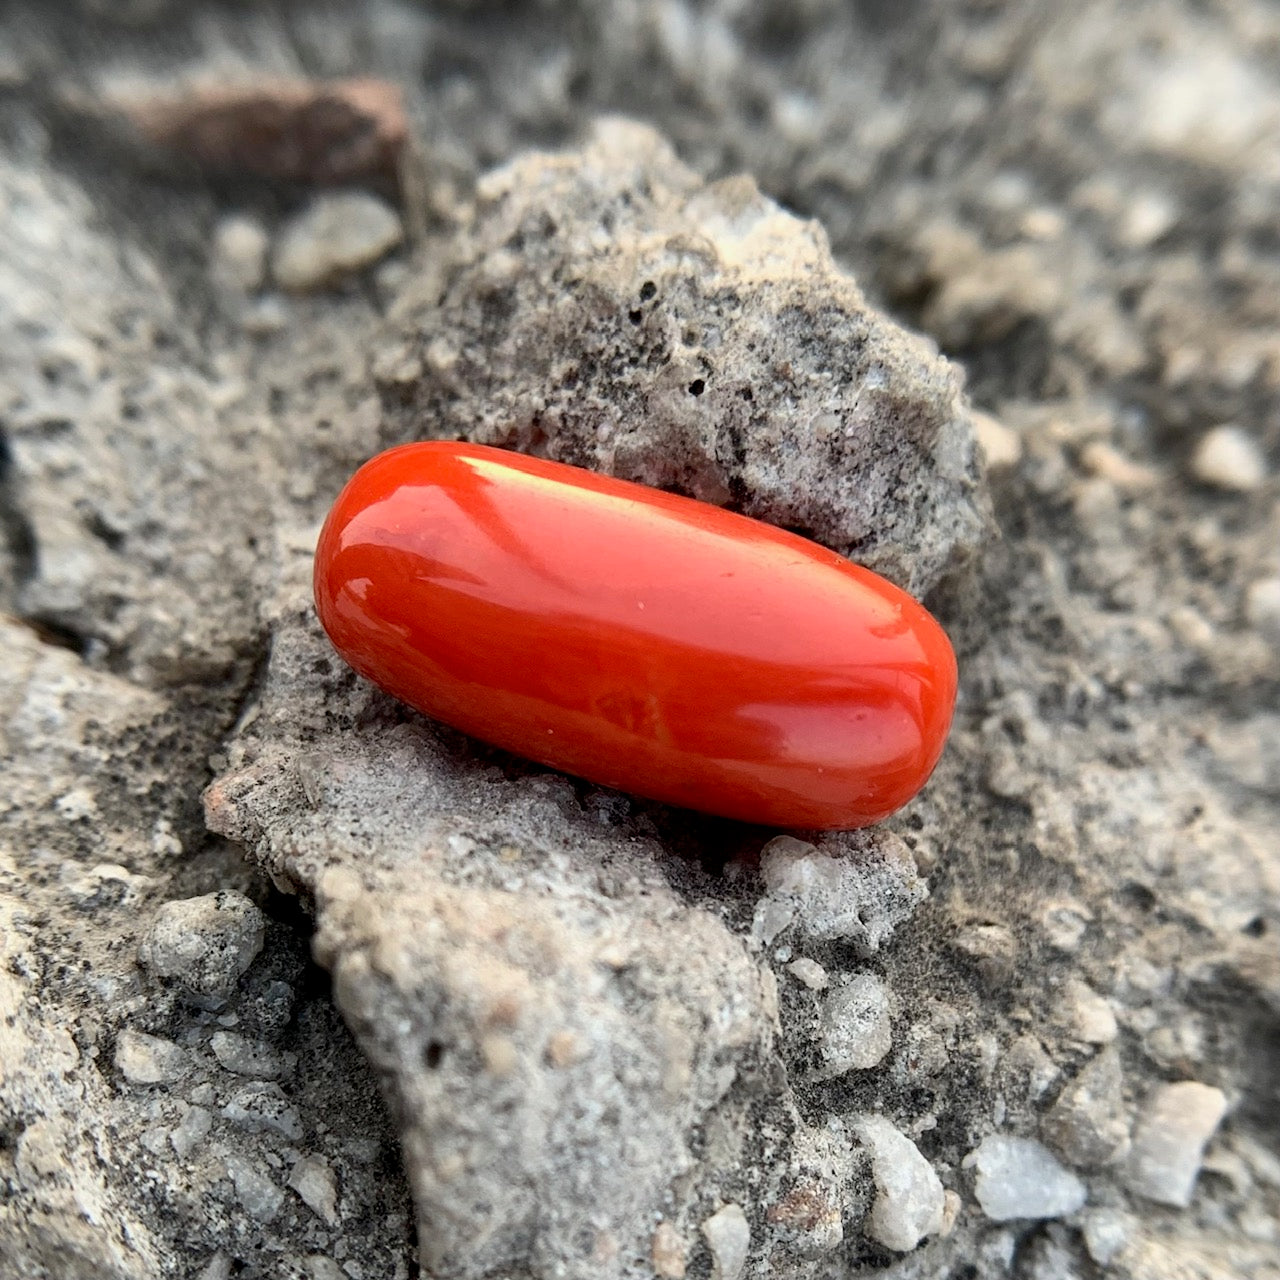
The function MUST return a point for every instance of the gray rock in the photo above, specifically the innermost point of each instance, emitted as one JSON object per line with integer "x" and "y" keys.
{"x": 498, "y": 954}
{"x": 1087, "y": 1125}
{"x": 258, "y": 1107}
{"x": 246, "y": 1057}
{"x": 1169, "y": 1141}
{"x": 708, "y": 343}
{"x": 144, "y": 1059}
{"x": 856, "y": 887}
{"x": 856, "y": 1032}
{"x": 191, "y": 1131}
{"x": 335, "y": 236}
{"x": 909, "y": 1201}
{"x": 257, "y": 1193}
{"x": 206, "y": 944}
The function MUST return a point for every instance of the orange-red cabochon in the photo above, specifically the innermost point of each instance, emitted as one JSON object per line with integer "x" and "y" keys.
{"x": 635, "y": 638}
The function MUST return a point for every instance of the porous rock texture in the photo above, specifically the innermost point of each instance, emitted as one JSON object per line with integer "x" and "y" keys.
{"x": 615, "y": 312}
{"x": 555, "y": 1032}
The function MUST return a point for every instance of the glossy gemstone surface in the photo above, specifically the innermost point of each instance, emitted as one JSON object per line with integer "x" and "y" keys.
{"x": 639, "y": 639}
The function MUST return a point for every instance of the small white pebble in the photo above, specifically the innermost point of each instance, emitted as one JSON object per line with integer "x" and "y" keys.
{"x": 1106, "y": 1232}
{"x": 336, "y": 235}
{"x": 669, "y": 1251}
{"x": 1092, "y": 1018}
{"x": 728, "y": 1236}
{"x": 1147, "y": 217}
{"x": 144, "y": 1059}
{"x": 313, "y": 1180}
{"x": 809, "y": 972}
{"x": 910, "y": 1203}
{"x": 1227, "y": 458}
{"x": 1000, "y": 445}
{"x": 1169, "y": 1143}
{"x": 1262, "y": 607}
{"x": 239, "y": 259}
{"x": 1020, "y": 1178}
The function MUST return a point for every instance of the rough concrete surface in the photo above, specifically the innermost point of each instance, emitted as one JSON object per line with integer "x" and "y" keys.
{"x": 295, "y": 983}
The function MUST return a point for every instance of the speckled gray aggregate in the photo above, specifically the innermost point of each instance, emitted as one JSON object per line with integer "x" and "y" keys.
{"x": 1078, "y": 206}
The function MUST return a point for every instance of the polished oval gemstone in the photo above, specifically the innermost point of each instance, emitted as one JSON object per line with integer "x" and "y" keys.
{"x": 635, "y": 638}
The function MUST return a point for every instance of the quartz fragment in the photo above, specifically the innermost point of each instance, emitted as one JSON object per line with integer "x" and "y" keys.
{"x": 1019, "y": 1178}
{"x": 336, "y": 236}
{"x": 910, "y": 1202}
{"x": 144, "y": 1059}
{"x": 860, "y": 897}
{"x": 728, "y": 1236}
{"x": 1169, "y": 1142}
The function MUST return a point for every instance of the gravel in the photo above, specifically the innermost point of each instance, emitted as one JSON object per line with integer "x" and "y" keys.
{"x": 1020, "y": 1178}
{"x": 206, "y": 944}
{"x": 856, "y": 1029}
{"x": 909, "y": 1202}
{"x": 1169, "y": 1141}
{"x": 728, "y": 1236}
{"x": 1014, "y": 232}
{"x": 335, "y": 236}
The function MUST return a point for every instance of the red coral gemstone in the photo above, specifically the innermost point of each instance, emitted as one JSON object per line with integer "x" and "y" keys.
{"x": 639, "y": 639}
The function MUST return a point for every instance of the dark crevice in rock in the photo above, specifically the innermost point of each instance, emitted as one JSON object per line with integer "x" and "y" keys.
{"x": 18, "y": 533}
